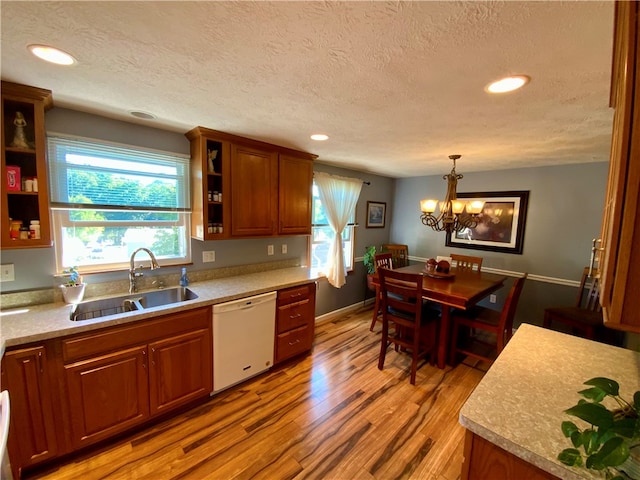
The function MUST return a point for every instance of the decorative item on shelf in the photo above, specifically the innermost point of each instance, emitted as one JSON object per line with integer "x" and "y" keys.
{"x": 211, "y": 156}
{"x": 451, "y": 216}
{"x": 20, "y": 135}
{"x": 611, "y": 442}
{"x": 14, "y": 182}
{"x": 73, "y": 289}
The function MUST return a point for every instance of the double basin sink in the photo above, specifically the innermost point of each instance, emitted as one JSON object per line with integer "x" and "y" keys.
{"x": 92, "y": 309}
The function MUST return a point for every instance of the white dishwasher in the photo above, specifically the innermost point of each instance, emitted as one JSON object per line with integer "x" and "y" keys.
{"x": 243, "y": 339}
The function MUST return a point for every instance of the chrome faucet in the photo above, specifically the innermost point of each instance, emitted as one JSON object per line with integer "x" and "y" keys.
{"x": 132, "y": 268}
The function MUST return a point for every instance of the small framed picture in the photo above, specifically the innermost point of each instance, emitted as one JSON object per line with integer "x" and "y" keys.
{"x": 376, "y": 213}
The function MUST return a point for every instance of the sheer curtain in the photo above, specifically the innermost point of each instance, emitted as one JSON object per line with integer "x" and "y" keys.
{"x": 339, "y": 196}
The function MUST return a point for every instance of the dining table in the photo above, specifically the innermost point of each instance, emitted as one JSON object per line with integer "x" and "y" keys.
{"x": 460, "y": 289}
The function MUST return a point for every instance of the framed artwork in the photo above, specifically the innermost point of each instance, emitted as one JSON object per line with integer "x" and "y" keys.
{"x": 500, "y": 225}
{"x": 376, "y": 213}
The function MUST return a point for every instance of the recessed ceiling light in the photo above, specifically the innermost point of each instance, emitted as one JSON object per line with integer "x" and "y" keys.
{"x": 143, "y": 115}
{"x": 52, "y": 55}
{"x": 320, "y": 137}
{"x": 508, "y": 84}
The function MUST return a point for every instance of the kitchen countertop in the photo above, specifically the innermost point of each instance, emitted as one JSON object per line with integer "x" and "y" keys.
{"x": 41, "y": 322}
{"x": 519, "y": 403}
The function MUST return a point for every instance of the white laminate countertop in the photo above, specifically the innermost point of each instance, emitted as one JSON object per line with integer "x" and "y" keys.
{"x": 519, "y": 403}
{"x": 42, "y": 322}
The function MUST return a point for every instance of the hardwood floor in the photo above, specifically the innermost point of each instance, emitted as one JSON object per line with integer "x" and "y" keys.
{"x": 332, "y": 415}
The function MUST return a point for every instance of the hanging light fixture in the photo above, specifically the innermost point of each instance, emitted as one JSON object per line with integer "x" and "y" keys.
{"x": 455, "y": 215}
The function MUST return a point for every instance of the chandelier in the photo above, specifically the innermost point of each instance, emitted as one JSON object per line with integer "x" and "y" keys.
{"x": 455, "y": 215}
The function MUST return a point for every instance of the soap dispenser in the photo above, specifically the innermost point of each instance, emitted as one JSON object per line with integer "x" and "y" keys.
{"x": 184, "y": 280}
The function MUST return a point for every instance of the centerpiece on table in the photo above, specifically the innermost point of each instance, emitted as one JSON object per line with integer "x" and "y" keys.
{"x": 611, "y": 443}
{"x": 73, "y": 289}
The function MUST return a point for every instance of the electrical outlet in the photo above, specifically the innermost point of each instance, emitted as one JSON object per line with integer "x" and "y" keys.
{"x": 492, "y": 299}
{"x": 209, "y": 256}
{"x": 7, "y": 273}
{"x": 284, "y": 248}
{"x": 269, "y": 249}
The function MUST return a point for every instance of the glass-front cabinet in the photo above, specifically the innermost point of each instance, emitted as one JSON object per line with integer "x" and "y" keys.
{"x": 24, "y": 219}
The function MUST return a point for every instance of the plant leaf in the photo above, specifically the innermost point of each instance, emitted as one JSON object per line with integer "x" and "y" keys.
{"x": 636, "y": 401}
{"x": 594, "y": 393}
{"x": 611, "y": 387}
{"x": 593, "y": 413}
{"x": 590, "y": 441}
{"x": 568, "y": 428}
{"x": 626, "y": 427}
{"x": 576, "y": 438}
{"x": 614, "y": 452}
{"x": 570, "y": 457}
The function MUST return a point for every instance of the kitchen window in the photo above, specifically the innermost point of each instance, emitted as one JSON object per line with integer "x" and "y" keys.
{"x": 109, "y": 199}
{"x": 321, "y": 234}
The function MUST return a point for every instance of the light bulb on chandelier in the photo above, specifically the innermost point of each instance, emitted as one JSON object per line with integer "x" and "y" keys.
{"x": 455, "y": 214}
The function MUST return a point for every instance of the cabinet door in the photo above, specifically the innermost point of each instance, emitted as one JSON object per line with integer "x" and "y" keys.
{"x": 621, "y": 223}
{"x": 180, "y": 370}
{"x": 254, "y": 200}
{"x": 294, "y": 194}
{"x": 107, "y": 394}
{"x": 32, "y": 429}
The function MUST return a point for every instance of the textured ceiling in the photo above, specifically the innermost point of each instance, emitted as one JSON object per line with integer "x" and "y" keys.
{"x": 398, "y": 86}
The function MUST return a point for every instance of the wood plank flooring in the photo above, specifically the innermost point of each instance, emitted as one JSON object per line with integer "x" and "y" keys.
{"x": 332, "y": 415}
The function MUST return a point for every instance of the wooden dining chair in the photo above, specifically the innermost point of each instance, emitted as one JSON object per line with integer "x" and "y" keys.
{"x": 399, "y": 254}
{"x": 466, "y": 262}
{"x": 483, "y": 320}
{"x": 380, "y": 260}
{"x": 415, "y": 327}
{"x": 585, "y": 317}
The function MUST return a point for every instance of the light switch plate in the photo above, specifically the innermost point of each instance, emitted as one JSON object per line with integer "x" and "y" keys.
{"x": 8, "y": 274}
{"x": 492, "y": 298}
{"x": 209, "y": 256}
{"x": 269, "y": 249}
{"x": 284, "y": 248}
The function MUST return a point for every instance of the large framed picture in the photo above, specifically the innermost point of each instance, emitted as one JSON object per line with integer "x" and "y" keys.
{"x": 376, "y": 213}
{"x": 500, "y": 225}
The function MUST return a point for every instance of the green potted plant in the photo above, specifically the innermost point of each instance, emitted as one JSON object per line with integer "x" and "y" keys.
{"x": 368, "y": 259}
{"x": 73, "y": 288}
{"x": 611, "y": 442}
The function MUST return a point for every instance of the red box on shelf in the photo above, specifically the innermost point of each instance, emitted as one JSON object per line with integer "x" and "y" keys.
{"x": 14, "y": 182}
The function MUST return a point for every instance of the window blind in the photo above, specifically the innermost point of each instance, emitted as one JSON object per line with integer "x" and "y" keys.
{"x": 89, "y": 174}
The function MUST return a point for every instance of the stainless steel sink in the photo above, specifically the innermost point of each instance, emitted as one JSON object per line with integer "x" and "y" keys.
{"x": 127, "y": 303}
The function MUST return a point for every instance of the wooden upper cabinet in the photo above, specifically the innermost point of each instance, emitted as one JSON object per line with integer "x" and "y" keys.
{"x": 265, "y": 189}
{"x": 254, "y": 183}
{"x": 294, "y": 195}
{"x": 620, "y": 234}
{"x": 23, "y": 149}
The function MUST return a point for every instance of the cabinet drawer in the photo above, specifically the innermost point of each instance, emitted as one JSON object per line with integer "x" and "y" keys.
{"x": 144, "y": 331}
{"x": 294, "y": 342}
{"x": 294, "y": 315}
{"x": 295, "y": 294}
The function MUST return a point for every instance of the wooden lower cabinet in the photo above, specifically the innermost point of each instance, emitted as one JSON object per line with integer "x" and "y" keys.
{"x": 107, "y": 395}
{"x": 26, "y": 374}
{"x": 179, "y": 370}
{"x": 75, "y": 391}
{"x": 484, "y": 460}
{"x": 295, "y": 321}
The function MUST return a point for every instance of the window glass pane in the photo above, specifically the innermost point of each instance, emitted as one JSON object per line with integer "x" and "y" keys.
{"x": 322, "y": 233}
{"x": 104, "y": 245}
